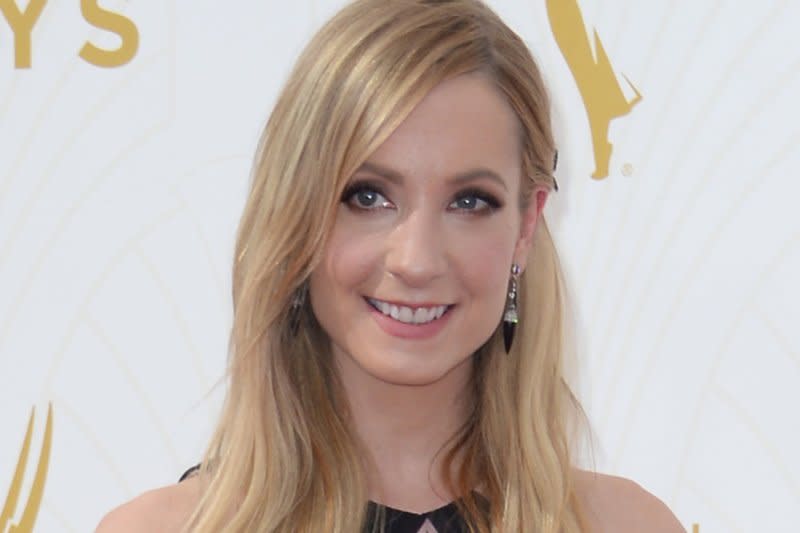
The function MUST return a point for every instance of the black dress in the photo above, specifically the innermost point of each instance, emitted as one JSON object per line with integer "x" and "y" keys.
{"x": 445, "y": 519}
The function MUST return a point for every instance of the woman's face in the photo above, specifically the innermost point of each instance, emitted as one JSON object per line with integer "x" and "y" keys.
{"x": 416, "y": 270}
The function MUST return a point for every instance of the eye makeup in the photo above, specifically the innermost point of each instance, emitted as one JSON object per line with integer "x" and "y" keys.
{"x": 492, "y": 203}
{"x": 364, "y": 190}
{"x": 368, "y": 195}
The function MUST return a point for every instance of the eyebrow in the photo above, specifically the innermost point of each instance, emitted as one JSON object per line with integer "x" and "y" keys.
{"x": 462, "y": 177}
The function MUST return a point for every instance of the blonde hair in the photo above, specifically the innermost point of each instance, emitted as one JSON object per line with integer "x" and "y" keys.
{"x": 283, "y": 457}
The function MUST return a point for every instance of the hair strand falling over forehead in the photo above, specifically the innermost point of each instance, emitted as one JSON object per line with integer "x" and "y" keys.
{"x": 282, "y": 457}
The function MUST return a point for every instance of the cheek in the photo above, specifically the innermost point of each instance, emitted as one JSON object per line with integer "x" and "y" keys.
{"x": 349, "y": 261}
{"x": 484, "y": 258}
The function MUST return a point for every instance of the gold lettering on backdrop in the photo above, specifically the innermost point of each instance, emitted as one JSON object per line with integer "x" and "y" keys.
{"x": 34, "y": 500}
{"x": 113, "y": 22}
{"x": 595, "y": 78}
{"x": 21, "y": 23}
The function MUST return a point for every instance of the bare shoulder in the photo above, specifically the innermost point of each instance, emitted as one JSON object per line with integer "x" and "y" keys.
{"x": 617, "y": 505}
{"x": 163, "y": 510}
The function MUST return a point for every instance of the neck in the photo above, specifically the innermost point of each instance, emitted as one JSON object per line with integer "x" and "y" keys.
{"x": 403, "y": 429}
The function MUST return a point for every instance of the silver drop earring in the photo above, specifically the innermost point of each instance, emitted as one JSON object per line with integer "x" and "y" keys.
{"x": 510, "y": 317}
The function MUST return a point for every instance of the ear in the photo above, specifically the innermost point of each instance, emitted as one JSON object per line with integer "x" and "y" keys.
{"x": 530, "y": 218}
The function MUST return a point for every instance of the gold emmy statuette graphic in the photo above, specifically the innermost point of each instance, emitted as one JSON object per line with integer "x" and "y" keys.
{"x": 597, "y": 83}
{"x": 25, "y": 524}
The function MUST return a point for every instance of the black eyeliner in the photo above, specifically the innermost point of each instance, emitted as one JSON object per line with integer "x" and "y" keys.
{"x": 490, "y": 199}
{"x": 361, "y": 185}
{"x": 375, "y": 186}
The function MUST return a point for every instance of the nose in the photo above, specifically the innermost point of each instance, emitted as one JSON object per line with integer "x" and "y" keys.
{"x": 416, "y": 250}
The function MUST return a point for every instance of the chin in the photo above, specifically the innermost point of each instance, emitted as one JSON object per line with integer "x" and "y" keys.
{"x": 410, "y": 373}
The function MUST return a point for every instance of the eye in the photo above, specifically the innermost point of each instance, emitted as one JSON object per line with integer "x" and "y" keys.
{"x": 475, "y": 201}
{"x": 365, "y": 196}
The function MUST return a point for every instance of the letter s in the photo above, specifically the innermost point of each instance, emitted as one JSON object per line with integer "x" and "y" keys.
{"x": 113, "y": 22}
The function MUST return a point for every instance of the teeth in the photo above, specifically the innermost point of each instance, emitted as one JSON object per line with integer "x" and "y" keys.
{"x": 421, "y": 315}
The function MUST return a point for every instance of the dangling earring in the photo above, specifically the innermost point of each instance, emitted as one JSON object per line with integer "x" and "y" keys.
{"x": 510, "y": 317}
{"x": 296, "y": 308}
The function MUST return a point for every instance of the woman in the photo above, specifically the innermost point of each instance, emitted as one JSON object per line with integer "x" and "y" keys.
{"x": 392, "y": 239}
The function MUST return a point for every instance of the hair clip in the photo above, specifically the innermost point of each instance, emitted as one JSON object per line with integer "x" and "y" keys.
{"x": 555, "y": 165}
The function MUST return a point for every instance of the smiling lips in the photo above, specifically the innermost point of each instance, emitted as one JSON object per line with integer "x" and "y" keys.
{"x": 408, "y": 315}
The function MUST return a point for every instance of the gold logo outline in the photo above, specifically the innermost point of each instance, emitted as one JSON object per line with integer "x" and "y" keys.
{"x": 597, "y": 83}
{"x": 34, "y": 499}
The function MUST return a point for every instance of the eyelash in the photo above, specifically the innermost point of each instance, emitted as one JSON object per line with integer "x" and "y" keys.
{"x": 492, "y": 203}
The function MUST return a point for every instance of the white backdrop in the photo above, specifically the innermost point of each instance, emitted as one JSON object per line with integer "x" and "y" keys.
{"x": 121, "y": 187}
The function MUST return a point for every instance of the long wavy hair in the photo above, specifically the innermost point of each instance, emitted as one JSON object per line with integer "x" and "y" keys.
{"x": 283, "y": 457}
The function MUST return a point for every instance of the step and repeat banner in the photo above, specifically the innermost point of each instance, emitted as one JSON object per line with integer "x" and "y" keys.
{"x": 127, "y": 129}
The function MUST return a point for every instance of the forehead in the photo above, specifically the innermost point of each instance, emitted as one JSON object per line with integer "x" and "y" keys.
{"x": 463, "y": 123}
